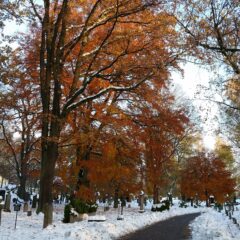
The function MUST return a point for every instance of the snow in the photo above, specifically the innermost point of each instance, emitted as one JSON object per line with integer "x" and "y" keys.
{"x": 236, "y": 213}
{"x": 31, "y": 227}
{"x": 97, "y": 218}
{"x": 215, "y": 226}
{"x": 209, "y": 225}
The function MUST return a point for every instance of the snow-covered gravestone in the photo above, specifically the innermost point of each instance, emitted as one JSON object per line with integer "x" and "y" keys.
{"x": 141, "y": 202}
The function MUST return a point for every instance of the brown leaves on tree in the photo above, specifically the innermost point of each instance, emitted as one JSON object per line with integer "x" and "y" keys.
{"x": 205, "y": 175}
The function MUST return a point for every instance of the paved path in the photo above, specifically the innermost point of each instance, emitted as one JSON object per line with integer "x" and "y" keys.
{"x": 175, "y": 228}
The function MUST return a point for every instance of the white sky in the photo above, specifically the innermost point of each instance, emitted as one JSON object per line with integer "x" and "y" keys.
{"x": 195, "y": 77}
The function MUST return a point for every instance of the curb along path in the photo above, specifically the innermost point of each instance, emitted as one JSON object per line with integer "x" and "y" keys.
{"x": 175, "y": 228}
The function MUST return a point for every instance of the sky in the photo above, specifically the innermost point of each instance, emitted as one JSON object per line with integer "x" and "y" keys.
{"x": 195, "y": 77}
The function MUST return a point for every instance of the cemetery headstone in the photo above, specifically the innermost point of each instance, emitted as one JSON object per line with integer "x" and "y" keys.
{"x": 7, "y": 202}
{"x": 25, "y": 207}
{"x": 29, "y": 213}
{"x": 1, "y": 208}
{"x": 34, "y": 201}
{"x": 191, "y": 199}
{"x": 17, "y": 207}
{"x": 2, "y": 194}
{"x": 141, "y": 201}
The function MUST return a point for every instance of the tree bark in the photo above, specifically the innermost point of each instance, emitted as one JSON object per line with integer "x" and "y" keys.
{"x": 206, "y": 194}
{"x": 46, "y": 182}
{"x": 22, "y": 188}
{"x": 116, "y": 193}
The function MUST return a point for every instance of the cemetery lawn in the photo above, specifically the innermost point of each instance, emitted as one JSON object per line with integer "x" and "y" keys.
{"x": 209, "y": 225}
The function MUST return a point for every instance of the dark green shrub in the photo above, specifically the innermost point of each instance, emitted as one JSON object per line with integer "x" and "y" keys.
{"x": 83, "y": 207}
{"x": 80, "y": 206}
{"x": 67, "y": 213}
{"x": 164, "y": 205}
{"x": 153, "y": 209}
{"x": 92, "y": 208}
{"x": 182, "y": 204}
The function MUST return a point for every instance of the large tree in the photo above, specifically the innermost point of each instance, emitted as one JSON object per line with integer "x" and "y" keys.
{"x": 88, "y": 49}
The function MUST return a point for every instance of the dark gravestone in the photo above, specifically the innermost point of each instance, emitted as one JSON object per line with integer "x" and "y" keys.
{"x": 1, "y": 208}
{"x": 191, "y": 200}
{"x": 3, "y": 193}
{"x": 34, "y": 201}
{"x": 141, "y": 201}
{"x": 7, "y": 203}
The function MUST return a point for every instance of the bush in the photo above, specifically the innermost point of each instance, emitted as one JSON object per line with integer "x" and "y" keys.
{"x": 92, "y": 208}
{"x": 67, "y": 213}
{"x": 80, "y": 206}
{"x": 83, "y": 207}
{"x": 164, "y": 205}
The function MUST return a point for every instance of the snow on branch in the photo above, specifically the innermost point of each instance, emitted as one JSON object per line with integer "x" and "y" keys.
{"x": 102, "y": 92}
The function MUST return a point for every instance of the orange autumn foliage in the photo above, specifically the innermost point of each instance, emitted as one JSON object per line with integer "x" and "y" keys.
{"x": 206, "y": 175}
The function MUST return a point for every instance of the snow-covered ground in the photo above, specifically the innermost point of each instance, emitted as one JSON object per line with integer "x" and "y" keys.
{"x": 31, "y": 227}
{"x": 212, "y": 225}
{"x": 236, "y": 213}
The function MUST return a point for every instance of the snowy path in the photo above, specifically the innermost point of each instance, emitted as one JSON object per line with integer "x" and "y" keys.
{"x": 30, "y": 228}
{"x": 210, "y": 225}
{"x": 171, "y": 229}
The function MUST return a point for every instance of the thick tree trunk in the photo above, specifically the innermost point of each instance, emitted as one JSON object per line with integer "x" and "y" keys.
{"x": 46, "y": 182}
{"x": 82, "y": 155}
{"x": 22, "y": 188}
{"x": 116, "y": 193}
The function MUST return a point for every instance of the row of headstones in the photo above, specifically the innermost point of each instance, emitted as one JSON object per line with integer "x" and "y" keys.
{"x": 7, "y": 204}
{"x": 229, "y": 213}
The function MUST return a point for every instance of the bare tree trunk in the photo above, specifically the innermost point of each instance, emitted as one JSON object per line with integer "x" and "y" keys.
{"x": 206, "y": 194}
{"x": 82, "y": 155}
{"x": 22, "y": 188}
{"x": 116, "y": 193}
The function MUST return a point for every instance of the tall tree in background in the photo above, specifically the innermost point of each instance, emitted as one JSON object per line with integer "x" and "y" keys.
{"x": 224, "y": 152}
{"x": 19, "y": 107}
{"x": 205, "y": 175}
